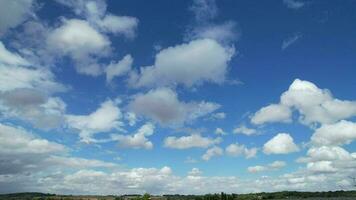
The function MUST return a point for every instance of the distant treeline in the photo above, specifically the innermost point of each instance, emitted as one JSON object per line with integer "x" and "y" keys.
{"x": 263, "y": 195}
{"x": 217, "y": 196}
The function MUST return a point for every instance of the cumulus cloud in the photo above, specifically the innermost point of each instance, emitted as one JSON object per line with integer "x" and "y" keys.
{"x": 282, "y": 143}
{"x": 29, "y": 97}
{"x": 212, "y": 152}
{"x": 13, "y": 13}
{"x": 315, "y": 106}
{"x": 272, "y": 166}
{"x": 272, "y": 113}
{"x": 119, "y": 68}
{"x": 95, "y": 12}
{"x": 79, "y": 40}
{"x": 328, "y": 159}
{"x": 26, "y": 155}
{"x": 137, "y": 140}
{"x": 220, "y": 131}
{"x": 106, "y": 118}
{"x": 238, "y": 150}
{"x": 190, "y": 141}
{"x": 201, "y": 60}
{"x": 342, "y": 132}
{"x": 163, "y": 106}
{"x": 242, "y": 129}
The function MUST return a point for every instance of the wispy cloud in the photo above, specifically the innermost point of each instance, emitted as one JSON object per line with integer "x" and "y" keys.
{"x": 291, "y": 40}
{"x": 293, "y": 4}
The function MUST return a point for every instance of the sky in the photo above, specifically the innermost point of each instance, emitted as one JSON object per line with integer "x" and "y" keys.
{"x": 177, "y": 97}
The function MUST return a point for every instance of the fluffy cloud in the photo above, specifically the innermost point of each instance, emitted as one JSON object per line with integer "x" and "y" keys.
{"x": 220, "y": 131}
{"x": 212, "y": 152}
{"x": 15, "y": 67}
{"x": 282, "y": 143}
{"x": 272, "y": 113}
{"x": 190, "y": 141}
{"x": 118, "y": 68}
{"x": 245, "y": 130}
{"x": 24, "y": 153}
{"x": 28, "y": 98}
{"x": 162, "y": 105}
{"x": 329, "y": 159}
{"x": 95, "y": 12}
{"x": 272, "y": 166}
{"x": 237, "y": 150}
{"x": 33, "y": 106}
{"x": 342, "y": 132}
{"x": 82, "y": 42}
{"x": 13, "y": 13}
{"x": 123, "y": 25}
{"x": 137, "y": 140}
{"x": 314, "y": 105}
{"x": 202, "y": 60}
{"x": 106, "y": 118}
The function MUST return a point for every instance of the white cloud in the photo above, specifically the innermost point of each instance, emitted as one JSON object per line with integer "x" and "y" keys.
{"x": 218, "y": 116}
{"x": 131, "y": 118}
{"x": 204, "y": 10}
{"x": 242, "y": 129}
{"x": 272, "y": 113}
{"x": 137, "y": 140}
{"x": 13, "y": 13}
{"x": 342, "y": 132}
{"x": 212, "y": 152}
{"x": 272, "y": 166}
{"x": 290, "y": 41}
{"x": 190, "y": 141}
{"x": 282, "y": 143}
{"x": 24, "y": 142}
{"x": 329, "y": 159}
{"x": 256, "y": 169}
{"x": 294, "y": 4}
{"x": 277, "y": 164}
{"x": 162, "y": 105}
{"x": 10, "y": 58}
{"x": 321, "y": 167}
{"x": 224, "y": 33}
{"x": 14, "y": 67}
{"x": 106, "y": 118}
{"x": 326, "y": 153}
{"x": 25, "y": 91}
{"x": 315, "y": 106}
{"x": 124, "y": 25}
{"x": 119, "y": 68}
{"x": 237, "y": 150}
{"x": 220, "y": 131}
{"x": 202, "y": 60}
{"x": 95, "y": 12}
{"x": 33, "y": 106}
{"x": 82, "y": 42}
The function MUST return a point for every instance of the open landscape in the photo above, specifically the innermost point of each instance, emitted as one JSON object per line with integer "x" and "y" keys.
{"x": 177, "y": 99}
{"x": 336, "y": 195}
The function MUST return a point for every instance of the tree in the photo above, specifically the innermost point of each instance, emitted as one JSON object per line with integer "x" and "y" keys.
{"x": 146, "y": 196}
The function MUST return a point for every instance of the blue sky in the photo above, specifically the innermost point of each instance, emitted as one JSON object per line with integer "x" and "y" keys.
{"x": 183, "y": 97}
